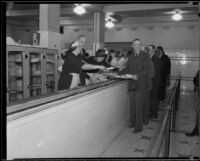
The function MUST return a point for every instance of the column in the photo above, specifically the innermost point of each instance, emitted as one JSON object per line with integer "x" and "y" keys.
{"x": 99, "y": 23}
{"x": 199, "y": 36}
{"x": 49, "y": 25}
{"x": 198, "y": 93}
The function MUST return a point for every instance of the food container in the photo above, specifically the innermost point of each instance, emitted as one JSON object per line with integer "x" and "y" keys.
{"x": 11, "y": 69}
{"x": 19, "y": 84}
{"x": 18, "y": 57}
{"x": 34, "y": 93}
{"x": 33, "y": 68}
{"x": 19, "y": 96}
{"x": 12, "y": 96}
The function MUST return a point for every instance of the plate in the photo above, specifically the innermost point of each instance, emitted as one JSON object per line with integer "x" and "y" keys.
{"x": 122, "y": 77}
{"x": 110, "y": 68}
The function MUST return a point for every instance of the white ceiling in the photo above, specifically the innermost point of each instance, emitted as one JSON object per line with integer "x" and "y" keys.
{"x": 118, "y": 11}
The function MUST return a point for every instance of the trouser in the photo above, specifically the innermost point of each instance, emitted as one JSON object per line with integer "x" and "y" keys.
{"x": 154, "y": 101}
{"x": 137, "y": 107}
{"x": 162, "y": 91}
{"x": 197, "y": 121}
{"x": 146, "y": 107}
{"x": 197, "y": 124}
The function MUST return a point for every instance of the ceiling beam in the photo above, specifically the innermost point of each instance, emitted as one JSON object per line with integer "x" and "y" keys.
{"x": 65, "y": 22}
{"x": 136, "y": 7}
{"x": 35, "y": 12}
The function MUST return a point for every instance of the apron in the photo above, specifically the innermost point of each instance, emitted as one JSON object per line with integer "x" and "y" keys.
{"x": 75, "y": 80}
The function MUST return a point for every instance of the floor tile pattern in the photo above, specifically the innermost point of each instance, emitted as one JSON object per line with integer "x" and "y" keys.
{"x": 129, "y": 144}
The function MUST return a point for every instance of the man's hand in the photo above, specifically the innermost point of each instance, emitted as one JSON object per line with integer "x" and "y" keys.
{"x": 101, "y": 67}
{"x": 60, "y": 69}
{"x": 131, "y": 76}
{"x": 134, "y": 77}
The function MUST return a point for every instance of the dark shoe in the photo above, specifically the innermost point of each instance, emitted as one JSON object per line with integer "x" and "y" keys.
{"x": 162, "y": 102}
{"x": 146, "y": 122}
{"x": 153, "y": 116}
{"x": 137, "y": 130}
{"x": 131, "y": 125}
{"x": 194, "y": 132}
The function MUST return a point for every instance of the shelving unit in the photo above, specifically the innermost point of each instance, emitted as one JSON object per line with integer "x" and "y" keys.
{"x": 31, "y": 72}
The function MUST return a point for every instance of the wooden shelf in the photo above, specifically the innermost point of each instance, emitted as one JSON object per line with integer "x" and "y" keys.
{"x": 37, "y": 85}
{"x": 49, "y": 61}
{"x": 37, "y": 74}
{"x": 15, "y": 90}
{"x": 50, "y": 73}
{"x": 35, "y": 62}
{"x": 15, "y": 61}
{"x": 15, "y": 76}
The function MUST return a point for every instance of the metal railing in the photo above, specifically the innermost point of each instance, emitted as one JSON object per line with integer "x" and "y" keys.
{"x": 167, "y": 124}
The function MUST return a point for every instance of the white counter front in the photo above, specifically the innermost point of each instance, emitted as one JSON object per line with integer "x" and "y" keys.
{"x": 81, "y": 127}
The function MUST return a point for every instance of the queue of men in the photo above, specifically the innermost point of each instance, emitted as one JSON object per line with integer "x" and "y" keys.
{"x": 150, "y": 70}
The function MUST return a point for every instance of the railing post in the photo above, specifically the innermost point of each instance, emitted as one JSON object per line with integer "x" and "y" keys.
{"x": 167, "y": 136}
{"x": 178, "y": 91}
{"x": 174, "y": 115}
{"x": 171, "y": 118}
{"x": 176, "y": 97}
{"x": 179, "y": 84}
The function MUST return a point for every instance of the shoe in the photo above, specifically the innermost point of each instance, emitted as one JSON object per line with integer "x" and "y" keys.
{"x": 162, "y": 102}
{"x": 153, "y": 116}
{"x": 194, "y": 132}
{"x": 131, "y": 126}
{"x": 137, "y": 130}
{"x": 146, "y": 122}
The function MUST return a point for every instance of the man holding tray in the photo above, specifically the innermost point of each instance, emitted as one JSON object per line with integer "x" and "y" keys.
{"x": 137, "y": 69}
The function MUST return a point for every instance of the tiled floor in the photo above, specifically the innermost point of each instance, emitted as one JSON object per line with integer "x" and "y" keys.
{"x": 183, "y": 145}
{"x": 129, "y": 144}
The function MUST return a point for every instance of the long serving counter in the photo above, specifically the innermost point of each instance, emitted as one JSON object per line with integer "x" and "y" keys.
{"x": 77, "y": 123}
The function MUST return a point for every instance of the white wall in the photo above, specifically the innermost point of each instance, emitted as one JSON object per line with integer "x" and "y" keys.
{"x": 173, "y": 38}
{"x": 70, "y": 35}
{"x": 176, "y": 37}
{"x": 83, "y": 127}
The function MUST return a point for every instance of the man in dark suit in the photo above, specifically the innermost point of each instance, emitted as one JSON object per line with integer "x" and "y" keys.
{"x": 138, "y": 66}
{"x": 154, "y": 99}
{"x": 165, "y": 71}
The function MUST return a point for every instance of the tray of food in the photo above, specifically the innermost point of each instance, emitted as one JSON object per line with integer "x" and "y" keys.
{"x": 126, "y": 76}
{"x": 116, "y": 76}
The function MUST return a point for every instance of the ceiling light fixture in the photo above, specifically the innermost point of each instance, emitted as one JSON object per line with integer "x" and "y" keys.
{"x": 109, "y": 24}
{"x": 79, "y": 9}
{"x": 177, "y": 16}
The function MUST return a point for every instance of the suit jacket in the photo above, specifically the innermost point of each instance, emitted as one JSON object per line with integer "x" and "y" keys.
{"x": 156, "y": 78}
{"x": 138, "y": 65}
{"x": 165, "y": 67}
{"x": 151, "y": 74}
